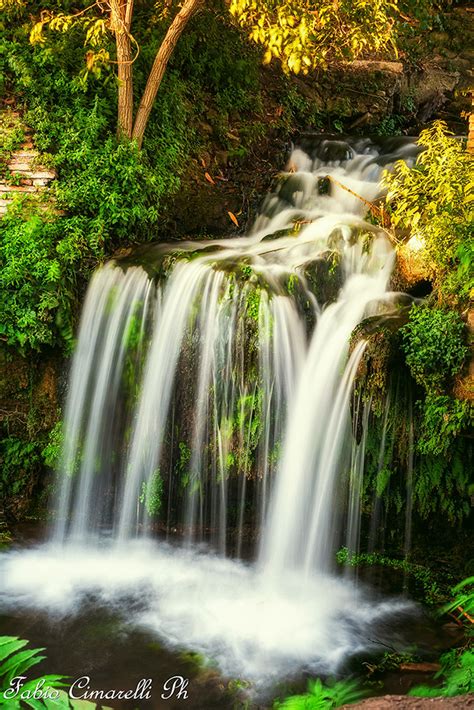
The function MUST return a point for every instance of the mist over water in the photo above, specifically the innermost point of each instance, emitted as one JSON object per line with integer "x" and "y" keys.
{"x": 251, "y": 625}
{"x": 237, "y": 344}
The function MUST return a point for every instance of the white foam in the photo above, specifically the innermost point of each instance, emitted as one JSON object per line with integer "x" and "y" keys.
{"x": 256, "y": 627}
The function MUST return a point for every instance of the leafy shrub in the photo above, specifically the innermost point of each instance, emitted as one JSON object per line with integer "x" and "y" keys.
{"x": 434, "y": 344}
{"x": 457, "y": 666}
{"x": 37, "y": 278}
{"x": 108, "y": 191}
{"x": 457, "y": 673}
{"x": 433, "y": 200}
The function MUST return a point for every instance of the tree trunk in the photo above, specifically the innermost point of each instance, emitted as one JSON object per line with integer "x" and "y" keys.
{"x": 165, "y": 51}
{"x": 470, "y": 136}
{"x": 121, "y": 16}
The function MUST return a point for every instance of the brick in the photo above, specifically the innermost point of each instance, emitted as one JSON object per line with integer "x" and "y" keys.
{"x": 24, "y": 155}
{"x": 16, "y": 188}
{"x": 42, "y": 175}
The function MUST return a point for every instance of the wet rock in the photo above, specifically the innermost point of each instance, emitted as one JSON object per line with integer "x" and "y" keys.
{"x": 292, "y": 186}
{"x": 335, "y": 150}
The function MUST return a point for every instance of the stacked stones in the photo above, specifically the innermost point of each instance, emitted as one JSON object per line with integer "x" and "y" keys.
{"x": 25, "y": 175}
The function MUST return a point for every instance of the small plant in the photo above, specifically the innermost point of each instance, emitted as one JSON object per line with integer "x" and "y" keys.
{"x": 151, "y": 494}
{"x": 52, "y": 451}
{"x": 323, "y": 697}
{"x": 457, "y": 674}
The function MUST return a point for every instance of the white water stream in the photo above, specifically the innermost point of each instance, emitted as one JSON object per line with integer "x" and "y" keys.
{"x": 224, "y": 388}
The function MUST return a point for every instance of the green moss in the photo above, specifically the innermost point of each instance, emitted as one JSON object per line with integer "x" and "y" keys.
{"x": 252, "y": 307}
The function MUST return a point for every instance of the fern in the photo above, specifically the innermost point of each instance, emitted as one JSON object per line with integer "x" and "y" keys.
{"x": 463, "y": 602}
{"x": 457, "y": 671}
{"x": 323, "y": 697}
{"x": 15, "y": 661}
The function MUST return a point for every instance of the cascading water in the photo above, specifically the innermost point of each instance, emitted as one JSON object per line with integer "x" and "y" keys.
{"x": 209, "y": 394}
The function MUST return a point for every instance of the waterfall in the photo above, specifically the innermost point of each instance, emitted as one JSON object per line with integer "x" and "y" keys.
{"x": 208, "y": 422}
{"x": 236, "y": 353}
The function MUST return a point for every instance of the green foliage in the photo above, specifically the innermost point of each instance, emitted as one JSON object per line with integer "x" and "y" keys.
{"x": 248, "y": 425}
{"x": 304, "y": 35}
{"x": 19, "y": 460}
{"x": 431, "y": 591}
{"x": 151, "y": 494}
{"x": 457, "y": 674}
{"x": 16, "y": 662}
{"x": 51, "y": 452}
{"x": 37, "y": 279}
{"x": 441, "y": 482}
{"x": 253, "y": 303}
{"x": 43, "y": 692}
{"x": 323, "y": 697}
{"x": 433, "y": 341}
{"x": 443, "y": 419}
{"x": 292, "y": 284}
{"x": 463, "y": 602}
{"x": 108, "y": 191}
{"x": 11, "y": 137}
{"x": 225, "y": 66}
{"x": 183, "y": 463}
{"x": 434, "y": 201}
{"x": 457, "y": 665}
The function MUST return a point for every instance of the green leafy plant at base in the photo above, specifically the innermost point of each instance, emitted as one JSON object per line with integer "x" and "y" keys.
{"x": 16, "y": 661}
{"x": 457, "y": 674}
{"x": 323, "y": 697}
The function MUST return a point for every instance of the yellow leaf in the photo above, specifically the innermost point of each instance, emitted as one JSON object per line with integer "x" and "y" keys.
{"x": 209, "y": 179}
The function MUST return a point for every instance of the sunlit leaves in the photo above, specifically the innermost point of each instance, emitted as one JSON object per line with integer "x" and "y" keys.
{"x": 95, "y": 29}
{"x": 304, "y": 34}
{"x": 434, "y": 201}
